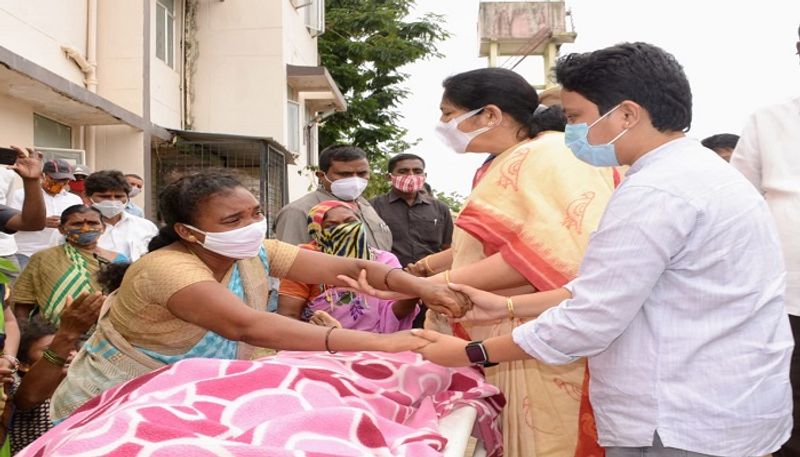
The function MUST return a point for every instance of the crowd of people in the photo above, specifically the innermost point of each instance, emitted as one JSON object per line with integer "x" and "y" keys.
{"x": 626, "y": 288}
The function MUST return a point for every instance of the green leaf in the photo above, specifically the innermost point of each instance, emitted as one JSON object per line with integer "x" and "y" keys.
{"x": 365, "y": 44}
{"x": 7, "y": 265}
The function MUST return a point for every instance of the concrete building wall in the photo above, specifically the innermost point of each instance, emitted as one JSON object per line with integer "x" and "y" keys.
{"x": 36, "y": 29}
{"x": 165, "y": 81}
{"x": 239, "y": 72}
{"x": 16, "y": 122}
{"x": 120, "y": 56}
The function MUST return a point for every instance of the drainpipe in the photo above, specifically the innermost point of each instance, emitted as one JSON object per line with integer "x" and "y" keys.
{"x": 88, "y": 66}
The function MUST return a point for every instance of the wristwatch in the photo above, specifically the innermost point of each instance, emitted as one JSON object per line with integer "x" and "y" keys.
{"x": 476, "y": 353}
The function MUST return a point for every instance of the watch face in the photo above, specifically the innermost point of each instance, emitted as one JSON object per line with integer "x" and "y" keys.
{"x": 475, "y": 353}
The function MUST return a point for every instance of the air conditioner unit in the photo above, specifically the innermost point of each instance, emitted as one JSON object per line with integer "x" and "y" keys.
{"x": 72, "y": 156}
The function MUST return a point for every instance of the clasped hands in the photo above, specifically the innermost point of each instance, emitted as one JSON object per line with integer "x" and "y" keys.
{"x": 456, "y": 301}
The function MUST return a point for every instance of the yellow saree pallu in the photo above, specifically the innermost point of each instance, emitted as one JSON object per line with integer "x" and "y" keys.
{"x": 536, "y": 205}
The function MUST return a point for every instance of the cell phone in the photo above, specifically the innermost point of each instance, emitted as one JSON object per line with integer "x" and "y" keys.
{"x": 8, "y": 156}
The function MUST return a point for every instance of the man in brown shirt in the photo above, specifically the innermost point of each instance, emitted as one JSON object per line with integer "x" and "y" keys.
{"x": 420, "y": 224}
{"x": 343, "y": 174}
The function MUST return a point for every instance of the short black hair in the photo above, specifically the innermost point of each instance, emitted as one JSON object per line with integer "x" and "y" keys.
{"x": 400, "y": 157}
{"x": 106, "y": 180}
{"x": 501, "y": 87}
{"x": 639, "y": 72}
{"x": 79, "y": 209}
{"x": 110, "y": 276}
{"x": 134, "y": 175}
{"x": 721, "y": 140}
{"x": 179, "y": 201}
{"x": 340, "y": 153}
{"x": 32, "y": 330}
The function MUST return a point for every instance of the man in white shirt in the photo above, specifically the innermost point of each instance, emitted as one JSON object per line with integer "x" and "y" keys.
{"x": 8, "y": 247}
{"x": 109, "y": 191}
{"x": 57, "y": 198}
{"x": 679, "y": 301}
{"x": 137, "y": 184}
{"x": 768, "y": 154}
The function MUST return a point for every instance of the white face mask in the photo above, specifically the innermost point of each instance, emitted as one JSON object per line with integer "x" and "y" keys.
{"x": 454, "y": 138}
{"x": 109, "y": 208}
{"x": 241, "y": 243}
{"x": 348, "y": 189}
{"x": 135, "y": 191}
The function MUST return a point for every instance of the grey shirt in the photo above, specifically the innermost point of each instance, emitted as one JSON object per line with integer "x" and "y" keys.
{"x": 291, "y": 224}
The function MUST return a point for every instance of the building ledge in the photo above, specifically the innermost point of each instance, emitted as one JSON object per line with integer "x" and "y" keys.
{"x": 317, "y": 87}
{"x": 61, "y": 99}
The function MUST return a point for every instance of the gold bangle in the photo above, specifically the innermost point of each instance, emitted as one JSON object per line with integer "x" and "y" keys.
{"x": 52, "y": 357}
{"x": 327, "y": 340}
{"x": 447, "y": 276}
{"x": 510, "y": 305}
{"x": 427, "y": 265}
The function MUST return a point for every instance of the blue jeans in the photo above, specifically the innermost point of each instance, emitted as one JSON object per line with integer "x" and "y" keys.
{"x": 656, "y": 450}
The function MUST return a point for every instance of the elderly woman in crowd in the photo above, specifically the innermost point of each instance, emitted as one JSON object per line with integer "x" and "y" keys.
{"x": 202, "y": 292}
{"x": 67, "y": 270}
{"x": 335, "y": 229}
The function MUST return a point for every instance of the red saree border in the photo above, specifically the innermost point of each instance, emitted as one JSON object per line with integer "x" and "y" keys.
{"x": 497, "y": 237}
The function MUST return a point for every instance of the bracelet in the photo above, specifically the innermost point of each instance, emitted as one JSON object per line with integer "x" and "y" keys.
{"x": 14, "y": 361}
{"x": 51, "y": 356}
{"x": 327, "y": 341}
{"x": 447, "y": 276}
{"x": 427, "y": 265}
{"x": 386, "y": 277}
{"x": 510, "y": 305}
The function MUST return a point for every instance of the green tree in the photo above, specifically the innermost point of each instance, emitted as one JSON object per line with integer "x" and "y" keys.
{"x": 365, "y": 44}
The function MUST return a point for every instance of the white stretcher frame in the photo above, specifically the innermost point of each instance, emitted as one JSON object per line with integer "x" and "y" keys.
{"x": 457, "y": 428}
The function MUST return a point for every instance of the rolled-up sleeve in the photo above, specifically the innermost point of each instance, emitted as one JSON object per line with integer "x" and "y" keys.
{"x": 640, "y": 232}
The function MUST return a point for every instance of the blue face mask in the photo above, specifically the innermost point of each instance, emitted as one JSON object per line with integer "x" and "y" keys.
{"x": 599, "y": 155}
{"x": 82, "y": 238}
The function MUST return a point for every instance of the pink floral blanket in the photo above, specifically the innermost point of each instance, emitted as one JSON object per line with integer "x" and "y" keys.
{"x": 293, "y": 404}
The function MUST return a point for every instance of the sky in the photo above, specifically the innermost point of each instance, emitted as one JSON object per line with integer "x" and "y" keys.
{"x": 738, "y": 56}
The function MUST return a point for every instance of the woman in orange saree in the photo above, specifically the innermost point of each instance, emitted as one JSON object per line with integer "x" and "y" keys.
{"x": 525, "y": 225}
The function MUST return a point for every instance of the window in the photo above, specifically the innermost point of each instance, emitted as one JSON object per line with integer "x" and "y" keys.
{"x": 48, "y": 133}
{"x": 314, "y": 15}
{"x": 293, "y": 126}
{"x": 165, "y": 31}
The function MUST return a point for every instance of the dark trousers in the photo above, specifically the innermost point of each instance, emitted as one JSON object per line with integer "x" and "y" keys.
{"x": 792, "y": 447}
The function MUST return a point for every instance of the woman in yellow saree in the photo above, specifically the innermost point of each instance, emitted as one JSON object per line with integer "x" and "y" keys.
{"x": 525, "y": 225}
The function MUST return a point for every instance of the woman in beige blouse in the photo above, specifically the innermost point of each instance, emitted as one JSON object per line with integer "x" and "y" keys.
{"x": 202, "y": 292}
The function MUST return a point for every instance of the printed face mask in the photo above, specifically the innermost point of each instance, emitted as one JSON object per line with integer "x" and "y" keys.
{"x": 408, "y": 183}
{"x": 83, "y": 238}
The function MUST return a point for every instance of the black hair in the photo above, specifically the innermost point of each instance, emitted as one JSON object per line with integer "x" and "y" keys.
{"x": 639, "y": 72}
{"x": 79, "y": 209}
{"x": 32, "y": 329}
{"x": 400, "y": 157}
{"x": 134, "y": 175}
{"x": 178, "y": 202}
{"x": 552, "y": 118}
{"x": 106, "y": 180}
{"x": 503, "y": 88}
{"x": 339, "y": 153}
{"x": 721, "y": 140}
{"x": 110, "y": 276}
